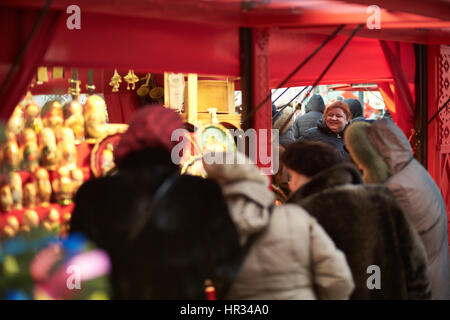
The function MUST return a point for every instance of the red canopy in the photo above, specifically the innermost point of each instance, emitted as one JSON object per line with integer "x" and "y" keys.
{"x": 203, "y": 37}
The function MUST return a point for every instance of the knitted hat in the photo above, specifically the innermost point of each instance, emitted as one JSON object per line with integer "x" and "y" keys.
{"x": 150, "y": 126}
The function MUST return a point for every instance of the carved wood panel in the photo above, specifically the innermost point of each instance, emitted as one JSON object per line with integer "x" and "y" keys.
{"x": 444, "y": 125}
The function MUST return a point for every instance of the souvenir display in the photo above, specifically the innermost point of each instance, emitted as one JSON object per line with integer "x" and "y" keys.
{"x": 42, "y": 171}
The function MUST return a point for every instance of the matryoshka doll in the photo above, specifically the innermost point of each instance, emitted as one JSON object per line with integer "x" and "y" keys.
{"x": 15, "y": 183}
{"x": 6, "y": 198}
{"x": 63, "y": 186}
{"x": 31, "y": 117}
{"x": 15, "y": 122}
{"x": 29, "y": 195}
{"x": 95, "y": 117}
{"x": 30, "y": 150}
{"x": 30, "y": 220}
{"x": 74, "y": 119}
{"x": 66, "y": 149}
{"x": 44, "y": 187}
{"x": 11, "y": 152}
{"x": 52, "y": 220}
{"x": 48, "y": 150}
{"x": 52, "y": 117}
{"x": 77, "y": 179}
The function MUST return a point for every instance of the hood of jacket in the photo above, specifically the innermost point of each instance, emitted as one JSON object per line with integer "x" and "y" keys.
{"x": 355, "y": 107}
{"x": 282, "y": 118}
{"x": 340, "y": 174}
{"x": 240, "y": 180}
{"x": 315, "y": 103}
{"x": 380, "y": 148}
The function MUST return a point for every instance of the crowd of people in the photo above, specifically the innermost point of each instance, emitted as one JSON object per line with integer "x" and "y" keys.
{"x": 362, "y": 218}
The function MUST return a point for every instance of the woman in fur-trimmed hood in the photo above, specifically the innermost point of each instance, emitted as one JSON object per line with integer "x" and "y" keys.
{"x": 364, "y": 221}
{"x": 384, "y": 154}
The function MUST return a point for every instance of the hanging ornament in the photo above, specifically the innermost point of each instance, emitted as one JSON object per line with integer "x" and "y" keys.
{"x": 115, "y": 81}
{"x": 42, "y": 75}
{"x": 131, "y": 79}
{"x": 58, "y": 72}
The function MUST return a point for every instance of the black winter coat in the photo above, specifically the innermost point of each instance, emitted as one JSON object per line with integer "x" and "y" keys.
{"x": 313, "y": 114}
{"x": 322, "y": 133}
{"x": 186, "y": 238}
{"x": 367, "y": 224}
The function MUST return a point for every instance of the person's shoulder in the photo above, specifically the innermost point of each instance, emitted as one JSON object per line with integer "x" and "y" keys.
{"x": 311, "y": 132}
{"x": 194, "y": 184}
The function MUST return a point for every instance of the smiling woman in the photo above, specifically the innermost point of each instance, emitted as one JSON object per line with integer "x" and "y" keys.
{"x": 336, "y": 117}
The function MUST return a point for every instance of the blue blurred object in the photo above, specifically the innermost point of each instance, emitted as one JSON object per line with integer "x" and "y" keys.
{"x": 11, "y": 294}
{"x": 75, "y": 243}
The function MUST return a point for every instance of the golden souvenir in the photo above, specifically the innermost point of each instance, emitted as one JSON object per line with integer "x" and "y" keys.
{"x": 6, "y": 198}
{"x": 144, "y": 89}
{"x": 52, "y": 115}
{"x": 131, "y": 79}
{"x": 67, "y": 152}
{"x": 74, "y": 119}
{"x": 11, "y": 155}
{"x": 63, "y": 186}
{"x": 58, "y": 73}
{"x": 15, "y": 123}
{"x": 95, "y": 120}
{"x": 44, "y": 188}
{"x": 42, "y": 75}
{"x": 77, "y": 179}
{"x": 52, "y": 220}
{"x": 11, "y": 226}
{"x": 31, "y": 117}
{"x": 15, "y": 183}
{"x": 29, "y": 195}
{"x": 95, "y": 116}
{"x": 30, "y": 150}
{"x": 30, "y": 220}
{"x": 48, "y": 151}
{"x": 115, "y": 81}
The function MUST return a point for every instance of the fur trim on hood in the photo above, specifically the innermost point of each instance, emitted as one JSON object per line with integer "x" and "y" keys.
{"x": 375, "y": 169}
{"x": 239, "y": 168}
{"x": 282, "y": 118}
